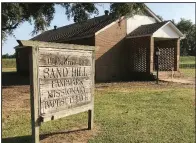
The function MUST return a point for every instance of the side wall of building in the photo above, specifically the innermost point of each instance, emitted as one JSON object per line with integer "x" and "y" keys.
{"x": 111, "y": 53}
{"x": 22, "y": 60}
{"x": 138, "y": 20}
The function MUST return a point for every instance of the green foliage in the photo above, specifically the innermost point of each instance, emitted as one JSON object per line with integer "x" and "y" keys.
{"x": 188, "y": 44}
{"x": 160, "y": 17}
{"x": 126, "y": 9}
{"x": 79, "y": 11}
{"x": 14, "y": 14}
{"x": 41, "y": 14}
{"x": 187, "y": 60}
{"x": 7, "y": 56}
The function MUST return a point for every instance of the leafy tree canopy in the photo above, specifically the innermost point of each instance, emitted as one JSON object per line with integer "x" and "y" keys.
{"x": 160, "y": 17}
{"x": 41, "y": 14}
{"x": 188, "y": 45}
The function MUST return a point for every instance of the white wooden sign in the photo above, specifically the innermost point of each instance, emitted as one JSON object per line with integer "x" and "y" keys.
{"x": 65, "y": 79}
{"x": 62, "y": 81}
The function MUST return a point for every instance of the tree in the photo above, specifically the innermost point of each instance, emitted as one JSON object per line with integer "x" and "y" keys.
{"x": 160, "y": 17}
{"x": 14, "y": 14}
{"x": 41, "y": 14}
{"x": 188, "y": 44}
{"x": 5, "y": 56}
{"x": 126, "y": 9}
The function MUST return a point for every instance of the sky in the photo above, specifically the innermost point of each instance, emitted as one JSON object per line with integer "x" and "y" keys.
{"x": 168, "y": 11}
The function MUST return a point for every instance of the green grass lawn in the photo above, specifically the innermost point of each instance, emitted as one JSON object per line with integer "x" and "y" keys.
{"x": 188, "y": 72}
{"x": 187, "y": 60}
{"x": 127, "y": 112}
{"x": 187, "y": 66}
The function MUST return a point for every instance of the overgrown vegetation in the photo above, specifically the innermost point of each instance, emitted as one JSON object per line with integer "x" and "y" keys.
{"x": 124, "y": 112}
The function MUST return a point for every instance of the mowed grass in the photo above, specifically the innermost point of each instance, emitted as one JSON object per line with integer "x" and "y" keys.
{"x": 124, "y": 112}
{"x": 188, "y": 73}
{"x": 187, "y": 66}
{"x": 187, "y": 60}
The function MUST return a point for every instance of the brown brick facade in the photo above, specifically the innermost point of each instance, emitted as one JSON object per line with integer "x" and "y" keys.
{"x": 119, "y": 58}
{"x": 110, "y": 56}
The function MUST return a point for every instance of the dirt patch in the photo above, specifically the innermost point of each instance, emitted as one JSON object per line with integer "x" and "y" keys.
{"x": 16, "y": 98}
{"x": 180, "y": 80}
{"x": 76, "y": 135}
{"x": 140, "y": 84}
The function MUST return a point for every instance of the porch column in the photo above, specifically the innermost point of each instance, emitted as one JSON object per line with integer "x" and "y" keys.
{"x": 151, "y": 54}
{"x": 176, "y": 55}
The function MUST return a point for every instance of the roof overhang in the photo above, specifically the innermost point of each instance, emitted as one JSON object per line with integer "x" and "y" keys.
{"x": 150, "y": 12}
{"x": 168, "y": 30}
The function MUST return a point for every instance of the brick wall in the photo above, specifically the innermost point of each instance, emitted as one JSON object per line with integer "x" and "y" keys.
{"x": 110, "y": 56}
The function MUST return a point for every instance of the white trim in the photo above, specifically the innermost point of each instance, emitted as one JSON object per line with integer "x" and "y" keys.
{"x": 147, "y": 34}
{"x": 174, "y": 28}
{"x": 161, "y": 27}
{"x": 181, "y": 36}
{"x": 111, "y": 24}
{"x": 152, "y": 13}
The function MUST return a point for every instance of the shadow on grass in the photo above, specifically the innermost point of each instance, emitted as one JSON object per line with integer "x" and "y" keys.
{"x": 13, "y": 78}
{"x": 28, "y": 139}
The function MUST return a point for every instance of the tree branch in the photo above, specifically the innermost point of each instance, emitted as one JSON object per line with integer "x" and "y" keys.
{"x": 10, "y": 27}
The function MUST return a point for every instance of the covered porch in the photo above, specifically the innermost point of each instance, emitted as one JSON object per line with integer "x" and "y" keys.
{"x": 142, "y": 44}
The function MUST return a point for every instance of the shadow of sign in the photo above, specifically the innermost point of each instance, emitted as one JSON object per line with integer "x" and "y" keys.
{"x": 13, "y": 78}
{"x": 28, "y": 138}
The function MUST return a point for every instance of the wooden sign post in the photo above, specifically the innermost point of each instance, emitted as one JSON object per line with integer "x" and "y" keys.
{"x": 62, "y": 81}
